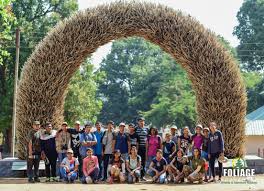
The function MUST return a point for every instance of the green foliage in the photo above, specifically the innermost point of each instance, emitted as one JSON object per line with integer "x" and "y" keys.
{"x": 250, "y": 32}
{"x": 81, "y": 102}
{"x": 34, "y": 18}
{"x": 143, "y": 80}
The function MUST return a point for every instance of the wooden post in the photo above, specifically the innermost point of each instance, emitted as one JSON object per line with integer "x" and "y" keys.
{"x": 15, "y": 92}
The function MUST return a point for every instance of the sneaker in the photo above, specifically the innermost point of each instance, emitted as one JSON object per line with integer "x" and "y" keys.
{"x": 47, "y": 180}
{"x": 143, "y": 179}
{"x": 54, "y": 179}
{"x": 31, "y": 180}
{"x": 37, "y": 179}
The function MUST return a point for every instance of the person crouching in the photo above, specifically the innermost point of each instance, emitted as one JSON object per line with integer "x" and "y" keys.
{"x": 157, "y": 168}
{"x": 69, "y": 167}
{"x": 90, "y": 167}
{"x": 117, "y": 168}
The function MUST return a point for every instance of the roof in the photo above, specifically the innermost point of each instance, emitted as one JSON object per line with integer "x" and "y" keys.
{"x": 256, "y": 115}
{"x": 255, "y": 127}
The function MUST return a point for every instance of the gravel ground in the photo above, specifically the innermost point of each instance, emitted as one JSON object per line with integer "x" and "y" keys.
{"x": 11, "y": 184}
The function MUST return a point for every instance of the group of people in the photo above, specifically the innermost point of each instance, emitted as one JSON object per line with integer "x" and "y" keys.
{"x": 118, "y": 155}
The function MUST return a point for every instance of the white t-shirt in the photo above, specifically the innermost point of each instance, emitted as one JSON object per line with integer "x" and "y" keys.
{"x": 70, "y": 163}
{"x": 133, "y": 162}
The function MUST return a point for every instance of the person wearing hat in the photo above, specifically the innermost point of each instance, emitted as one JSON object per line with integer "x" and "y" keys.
{"x": 121, "y": 141}
{"x": 63, "y": 141}
{"x": 90, "y": 167}
{"x": 49, "y": 152}
{"x": 87, "y": 139}
{"x": 142, "y": 132}
{"x": 215, "y": 149}
{"x": 69, "y": 167}
{"x": 185, "y": 140}
{"x": 75, "y": 143}
{"x": 204, "y": 153}
{"x": 108, "y": 146}
{"x": 34, "y": 153}
{"x": 133, "y": 136}
{"x": 197, "y": 138}
{"x": 174, "y": 134}
{"x": 116, "y": 168}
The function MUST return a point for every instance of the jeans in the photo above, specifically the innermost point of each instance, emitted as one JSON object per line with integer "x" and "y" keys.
{"x": 106, "y": 160}
{"x": 161, "y": 178}
{"x": 51, "y": 167}
{"x": 214, "y": 156}
{"x": 100, "y": 161}
{"x": 149, "y": 160}
{"x": 142, "y": 154}
{"x": 130, "y": 177}
{"x": 93, "y": 175}
{"x": 33, "y": 163}
{"x": 67, "y": 177}
{"x": 61, "y": 156}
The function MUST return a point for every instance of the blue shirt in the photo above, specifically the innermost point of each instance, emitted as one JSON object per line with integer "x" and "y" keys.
{"x": 121, "y": 142}
{"x": 84, "y": 137}
{"x": 98, "y": 146}
{"x": 216, "y": 142}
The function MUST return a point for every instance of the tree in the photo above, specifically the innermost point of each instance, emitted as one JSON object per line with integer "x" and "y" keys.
{"x": 250, "y": 32}
{"x": 81, "y": 102}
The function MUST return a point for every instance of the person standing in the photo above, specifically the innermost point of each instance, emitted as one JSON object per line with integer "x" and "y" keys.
{"x": 69, "y": 167}
{"x": 168, "y": 148}
{"x": 133, "y": 136}
{"x": 48, "y": 152}
{"x": 174, "y": 134}
{"x": 98, "y": 147}
{"x": 87, "y": 140}
{"x": 121, "y": 141}
{"x": 63, "y": 141}
{"x": 197, "y": 138}
{"x": 75, "y": 143}
{"x": 153, "y": 143}
{"x": 204, "y": 153}
{"x": 108, "y": 146}
{"x": 90, "y": 167}
{"x": 215, "y": 149}
{"x": 185, "y": 140}
{"x": 142, "y": 132}
{"x": 34, "y": 153}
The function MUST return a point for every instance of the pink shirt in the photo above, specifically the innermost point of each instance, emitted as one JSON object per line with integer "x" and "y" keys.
{"x": 197, "y": 141}
{"x": 89, "y": 164}
{"x": 153, "y": 145}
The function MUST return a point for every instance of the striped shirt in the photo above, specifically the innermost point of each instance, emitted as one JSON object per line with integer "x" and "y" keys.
{"x": 142, "y": 133}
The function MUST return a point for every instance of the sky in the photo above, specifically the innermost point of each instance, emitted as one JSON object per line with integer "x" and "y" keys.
{"x": 217, "y": 15}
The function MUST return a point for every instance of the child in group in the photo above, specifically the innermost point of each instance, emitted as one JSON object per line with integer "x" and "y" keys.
{"x": 176, "y": 166}
{"x": 204, "y": 153}
{"x": 197, "y": 138}
{"x": 90, "y": 167}
{"x": 195, "y": 171}
{"x": 133, "y": 166}
{"x": 117, "y": 168}
{"x": 157, "y": 168}
{"x": 69, "y": 167}
{"x": 185, "y": 140}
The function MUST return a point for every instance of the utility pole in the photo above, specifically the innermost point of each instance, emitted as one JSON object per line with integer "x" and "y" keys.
{"x": 15, "y": 92}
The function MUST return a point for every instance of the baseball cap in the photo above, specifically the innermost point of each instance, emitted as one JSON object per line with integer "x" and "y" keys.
{"x": 77, "y": 123}
{"x": 131, "y": 125}
{"x": 199, "y": 125}
{"x": 36, "y": 123}
{"x": 174, "y": 127}
{"x": 70, "y": 151}
{"x": 64, "y": 123}
{"x": 122, "y": 124}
